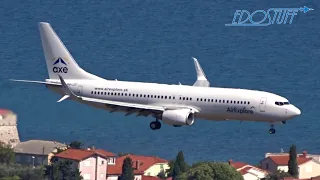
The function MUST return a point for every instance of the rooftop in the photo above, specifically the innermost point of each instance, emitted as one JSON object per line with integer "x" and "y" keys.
{"x": 140, "y": 163}
{"x": 283, "y": 160}
{"x": 37, "y": 147}
{"x": 81, "y": 154}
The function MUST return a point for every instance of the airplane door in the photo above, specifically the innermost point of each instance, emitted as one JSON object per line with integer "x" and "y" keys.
{"x": 263, "y": 102}
{"x": 79, "y": 90}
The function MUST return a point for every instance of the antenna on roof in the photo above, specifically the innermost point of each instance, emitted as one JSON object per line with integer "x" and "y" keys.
{"x": 282, "y": 151}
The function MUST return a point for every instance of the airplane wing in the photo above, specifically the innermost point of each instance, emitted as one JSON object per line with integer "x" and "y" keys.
{"x": 130, "y": 108}
{"x": 201, "y": 77}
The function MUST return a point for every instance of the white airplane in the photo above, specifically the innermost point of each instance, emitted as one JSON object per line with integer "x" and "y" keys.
{"x": 175, "y": 105}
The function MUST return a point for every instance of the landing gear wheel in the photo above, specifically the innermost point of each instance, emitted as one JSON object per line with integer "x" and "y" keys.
{"x": 272, "y": 131}
{"x": 154, "y": 125}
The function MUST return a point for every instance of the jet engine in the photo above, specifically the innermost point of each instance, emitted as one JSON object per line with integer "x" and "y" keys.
{"x": 178, "y": 117}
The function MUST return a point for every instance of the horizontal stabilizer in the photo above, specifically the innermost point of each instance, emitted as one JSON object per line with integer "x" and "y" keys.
{"x": 201, "y": 77}
{"x": 36, "y": 82}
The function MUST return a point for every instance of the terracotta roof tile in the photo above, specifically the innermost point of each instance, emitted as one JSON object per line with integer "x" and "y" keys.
{"x": 238, "y": 165}
{"x": 144, "y": 163}
{"x": 81, "y": 154}
{"x": 283, "y": 160}
{"x": 245, "y": 170}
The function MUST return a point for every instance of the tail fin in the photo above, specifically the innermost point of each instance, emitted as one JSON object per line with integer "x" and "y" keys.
{"x": 58, "y": 59}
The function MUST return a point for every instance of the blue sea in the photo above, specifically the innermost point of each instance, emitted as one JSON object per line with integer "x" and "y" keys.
{"x": 153, "y": 41}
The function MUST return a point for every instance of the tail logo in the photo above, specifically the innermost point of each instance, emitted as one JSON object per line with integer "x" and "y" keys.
{"x": 58, "y": 69}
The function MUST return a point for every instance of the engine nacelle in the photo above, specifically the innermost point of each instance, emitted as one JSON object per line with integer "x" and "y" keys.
{"x": 178, "y": 117}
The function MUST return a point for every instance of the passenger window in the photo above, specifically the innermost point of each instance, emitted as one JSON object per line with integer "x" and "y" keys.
{"x": 240, "y": 102}
{"x": 205, "y": 100}
{"x": 190, "y": 99}
{"x": 169, "y": 97}
{"x": 248, "y": 102}
{"x": 200, "y": 99}
{"x": 219, "y": 101}
{"x": 165, "y": 97}
{"x": 118, "y": 94}
{"x": 223, "y": 101}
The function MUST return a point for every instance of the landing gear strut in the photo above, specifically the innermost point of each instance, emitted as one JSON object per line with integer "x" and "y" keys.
{"x": 272, "y": 130}
{"x": 154, "y": 125}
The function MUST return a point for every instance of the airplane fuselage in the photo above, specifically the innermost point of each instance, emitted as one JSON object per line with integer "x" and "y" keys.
{"x": 214, "y": 103}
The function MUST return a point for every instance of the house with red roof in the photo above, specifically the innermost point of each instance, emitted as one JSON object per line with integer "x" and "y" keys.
{"x": 249, "y": 172}
{"x": 143, "y": 166}
{"x": 307, "y": 166}
{"x": 92, "y": 163}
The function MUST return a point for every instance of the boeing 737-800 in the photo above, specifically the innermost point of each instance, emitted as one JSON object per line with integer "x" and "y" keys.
{"x": 176, "y": 105}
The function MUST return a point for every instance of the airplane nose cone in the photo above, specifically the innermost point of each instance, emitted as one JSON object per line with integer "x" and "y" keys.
{"x": 295, "y": 111}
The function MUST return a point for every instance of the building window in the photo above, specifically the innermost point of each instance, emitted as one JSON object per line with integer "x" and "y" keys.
{"x": 102, "y": 162}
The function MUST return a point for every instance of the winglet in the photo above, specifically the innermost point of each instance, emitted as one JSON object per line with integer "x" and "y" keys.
{"x": 201, "y": 77}
{"x": 66, "y": 90}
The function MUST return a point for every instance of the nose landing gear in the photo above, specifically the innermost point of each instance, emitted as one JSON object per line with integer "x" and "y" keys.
{"x": 272, "y": 130}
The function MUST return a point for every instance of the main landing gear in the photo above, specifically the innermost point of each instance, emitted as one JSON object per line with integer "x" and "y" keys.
{"x": 154, "y": 125}
{"x": 272, "y": 130}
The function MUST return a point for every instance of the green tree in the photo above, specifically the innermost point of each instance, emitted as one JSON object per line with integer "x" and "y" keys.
{"x": 127, "y": 170}
{"x": 178, "y": 166}
{"x": 62, "y": 170}
{"x": 292, "y": 163}
{"x": 76, "y": 144}
{"x": 6, "y": 153}
{"x": 279, "y": 175}
{"x": 23, "y": 172}
{"x": 211, "y": 171}
{"x": 182, "y": 164}
{"x": 176, "y": 170}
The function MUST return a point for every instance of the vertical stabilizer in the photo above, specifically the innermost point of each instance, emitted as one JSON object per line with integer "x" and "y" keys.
{"x": 58, "y": 59}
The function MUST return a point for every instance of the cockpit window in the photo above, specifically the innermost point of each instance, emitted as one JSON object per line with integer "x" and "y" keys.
{"x": 281, "y": 103}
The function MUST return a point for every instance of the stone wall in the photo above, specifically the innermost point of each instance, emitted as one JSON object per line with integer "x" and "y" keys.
{"x": 8, "y": 129}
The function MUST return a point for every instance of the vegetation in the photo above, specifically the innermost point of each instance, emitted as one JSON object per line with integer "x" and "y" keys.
{"x": 292, "y": 164}
{"x": 177, "y": 166}
{"x": 6, "y": 154}
{"x": 61, "y": 170}
{"x": 210, "y": 171}
{"x": 279, "y": 175}
{"x": 76, "y": 144}
{"x": 127, "y": 170}
{"x": 14, "y": 171}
